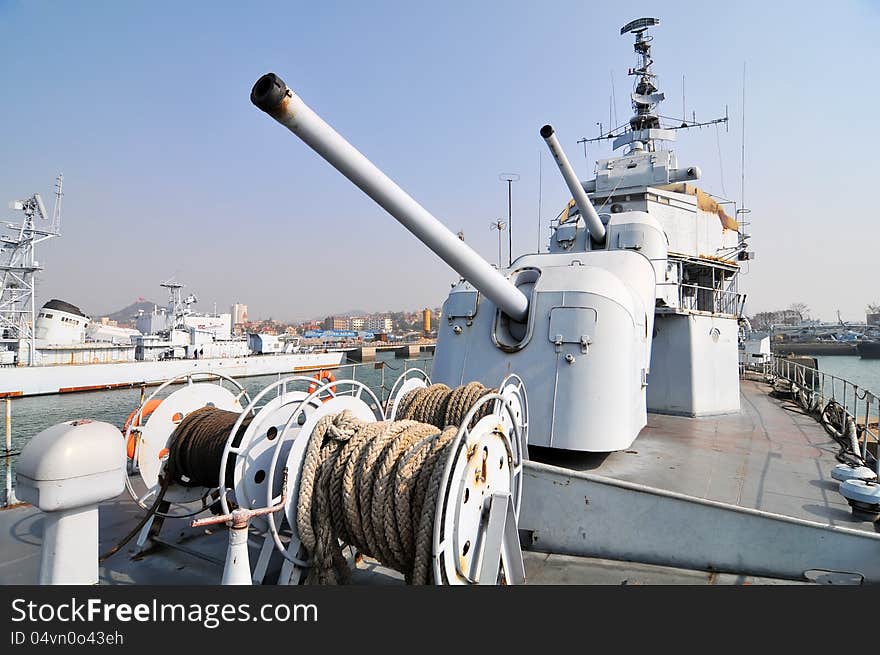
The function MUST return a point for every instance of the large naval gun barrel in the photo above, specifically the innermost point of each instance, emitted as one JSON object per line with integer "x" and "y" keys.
{"x": 272, "y": 95}
{"x": 594, "y": 223}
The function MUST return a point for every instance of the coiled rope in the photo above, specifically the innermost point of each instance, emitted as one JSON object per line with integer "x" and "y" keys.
{"x": 196, "y": 446}
{"x": 842, "y": 427}
{"x": 441, "y": 406}
{"x": 374, "y": 486}
{"x": 195, "y": 450}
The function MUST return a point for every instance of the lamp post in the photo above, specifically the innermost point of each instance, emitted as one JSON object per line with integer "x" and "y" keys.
{"x": 498, "y": 225}
{"x": 510, "y": 178}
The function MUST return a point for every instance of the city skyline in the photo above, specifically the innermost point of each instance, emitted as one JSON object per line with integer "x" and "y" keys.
{"x": 236, "y": 208}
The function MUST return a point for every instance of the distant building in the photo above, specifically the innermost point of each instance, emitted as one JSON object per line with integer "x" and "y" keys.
{"x": 357, "y": 323}
{"x": 379, "y": 324}
{"x": 872, "y": 319}
{"x": 766, "y": 320}
{"x": 336, "y": 323}
{"x": 239, "y": 314}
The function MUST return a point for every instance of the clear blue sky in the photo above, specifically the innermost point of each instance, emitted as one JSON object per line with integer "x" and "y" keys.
{"x": 170, "y": 170}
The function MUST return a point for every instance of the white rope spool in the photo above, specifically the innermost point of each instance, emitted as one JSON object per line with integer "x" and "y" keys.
{"x": 253, "y": 454}
{"x": 484, "y": 467}
{"x": 155, "y": 433}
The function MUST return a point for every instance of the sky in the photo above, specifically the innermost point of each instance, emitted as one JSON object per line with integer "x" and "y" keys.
{"x": 169, "y": 170}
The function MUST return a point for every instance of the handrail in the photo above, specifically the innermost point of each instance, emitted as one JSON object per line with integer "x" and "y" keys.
{"x": 859, "y": 404}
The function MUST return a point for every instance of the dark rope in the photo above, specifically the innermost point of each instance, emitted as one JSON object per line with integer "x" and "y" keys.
{"x": 196, "y": 447}
{"x": 195, "y": 450}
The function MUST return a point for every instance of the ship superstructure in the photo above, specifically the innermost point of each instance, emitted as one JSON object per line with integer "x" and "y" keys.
{"x": 634, "y": 307}
{"x": 698, "y": 302}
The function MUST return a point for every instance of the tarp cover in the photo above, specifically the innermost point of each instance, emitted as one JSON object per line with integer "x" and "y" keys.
{"x": 704, "y": 202}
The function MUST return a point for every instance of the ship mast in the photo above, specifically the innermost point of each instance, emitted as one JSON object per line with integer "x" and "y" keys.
{"x": 644, "y": 128}
{"x": 646, "y": 96}
{"x": 18, "y": 270}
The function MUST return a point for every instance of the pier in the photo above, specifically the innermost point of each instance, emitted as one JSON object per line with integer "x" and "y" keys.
{"x": 367, "y": 353}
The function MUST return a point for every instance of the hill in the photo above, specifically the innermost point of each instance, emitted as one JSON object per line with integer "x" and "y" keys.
{"x": 124, "y": 315}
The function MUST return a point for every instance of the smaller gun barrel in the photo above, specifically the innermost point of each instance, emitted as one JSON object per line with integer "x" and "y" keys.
{"x": 585, "y": 207}
{"x": 273, "y": 96}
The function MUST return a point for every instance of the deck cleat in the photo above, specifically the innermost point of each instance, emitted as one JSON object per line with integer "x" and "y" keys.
{"x": 863, "y": 496}
{"x": 843, "y": 472}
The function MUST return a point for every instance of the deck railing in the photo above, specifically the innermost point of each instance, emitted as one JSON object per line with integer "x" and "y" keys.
{"x": 860, "y": 404}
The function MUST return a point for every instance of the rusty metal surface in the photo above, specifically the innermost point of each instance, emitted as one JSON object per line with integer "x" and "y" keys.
{"x": 770, "y": 456}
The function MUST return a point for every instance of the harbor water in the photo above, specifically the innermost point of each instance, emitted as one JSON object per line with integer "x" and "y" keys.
{"x": 863, "y": 372}
{"x": 31, "y": 415}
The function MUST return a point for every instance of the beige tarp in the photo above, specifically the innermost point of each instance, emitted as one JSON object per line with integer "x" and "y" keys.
{"x": 704, "y": 202}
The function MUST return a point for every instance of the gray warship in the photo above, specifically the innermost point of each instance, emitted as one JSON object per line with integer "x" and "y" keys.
{"x": 587, "y": 419}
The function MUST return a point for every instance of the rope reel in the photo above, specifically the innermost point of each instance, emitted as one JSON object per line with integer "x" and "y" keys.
{"x": 437, "y": 504}
{"x": 252, "y": 455}
{"x": 475, "y": 530}
{"x": 152, "y": 447}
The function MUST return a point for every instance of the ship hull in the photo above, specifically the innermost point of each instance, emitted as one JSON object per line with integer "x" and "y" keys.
{"x": 869, "y": 349}
{"x": 42, "y": 380}
{"x": 822, "y": 348}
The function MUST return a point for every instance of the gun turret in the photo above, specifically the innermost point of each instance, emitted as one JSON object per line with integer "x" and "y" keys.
{"x": 585, "y": 207}
{"x": 272, "y": 95}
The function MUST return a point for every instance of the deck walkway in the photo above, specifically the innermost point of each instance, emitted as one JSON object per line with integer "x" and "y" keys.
{"x": 771, "y": 456}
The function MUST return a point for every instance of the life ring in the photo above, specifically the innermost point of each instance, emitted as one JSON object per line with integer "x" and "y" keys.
{"x": 323, "y": 377}
{"x": 134, "y": 421}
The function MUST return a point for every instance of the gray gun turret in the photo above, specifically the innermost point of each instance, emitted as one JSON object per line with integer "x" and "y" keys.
{"x": 575, "y": 325}
{"x": 646, "y": 292}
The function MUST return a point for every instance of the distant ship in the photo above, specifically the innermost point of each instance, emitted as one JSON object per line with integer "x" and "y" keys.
{"x": 869, "y": 349}
{"x": 59, "y": 349}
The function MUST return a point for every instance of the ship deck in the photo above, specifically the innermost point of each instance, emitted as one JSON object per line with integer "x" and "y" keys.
{"x": 770, "y": 456}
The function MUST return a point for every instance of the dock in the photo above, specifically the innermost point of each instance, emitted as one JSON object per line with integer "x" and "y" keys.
{"x": 367, "y": 353}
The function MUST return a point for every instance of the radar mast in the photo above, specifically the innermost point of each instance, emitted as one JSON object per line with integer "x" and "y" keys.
{"x": 645, "y": 128}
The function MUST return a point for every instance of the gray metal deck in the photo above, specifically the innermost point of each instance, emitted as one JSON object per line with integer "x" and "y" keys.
{"x": 21, "y": 530}
{"x": 769, "y": 457}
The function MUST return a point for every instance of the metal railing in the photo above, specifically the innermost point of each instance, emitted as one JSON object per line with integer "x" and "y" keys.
{"x": 694, "y": 297}
{"x": 8, "y": 454}
{"x": 859, "y": 404}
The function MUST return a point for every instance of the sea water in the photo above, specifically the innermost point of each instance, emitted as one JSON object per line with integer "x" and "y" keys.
{"x": 863, "y": 372}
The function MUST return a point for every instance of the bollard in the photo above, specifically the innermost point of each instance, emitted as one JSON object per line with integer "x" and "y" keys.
{"x": 66, "y": 471}
{"x": 237, "y": 568}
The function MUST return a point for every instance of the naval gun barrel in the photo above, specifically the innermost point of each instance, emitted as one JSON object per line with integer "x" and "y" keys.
{"x": 272, "y": 95}
{"x": 585, "y": 207}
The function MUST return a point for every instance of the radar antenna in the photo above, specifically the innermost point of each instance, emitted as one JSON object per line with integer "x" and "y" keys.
{"x": 645, "y": 126}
